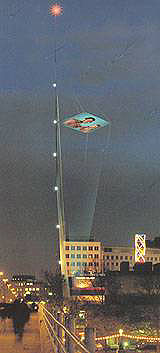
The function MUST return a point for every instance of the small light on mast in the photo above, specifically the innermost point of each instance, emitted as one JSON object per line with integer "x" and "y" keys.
{"x": 56, "y": 10}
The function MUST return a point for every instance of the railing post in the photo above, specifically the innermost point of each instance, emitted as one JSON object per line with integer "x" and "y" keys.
{"x": 90, "y": 342}
{"x": 54, "y": 313}
{"x": 59, "y": 330}
{"x": 70, "y": 325}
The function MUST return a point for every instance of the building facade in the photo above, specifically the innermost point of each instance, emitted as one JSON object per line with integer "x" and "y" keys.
{"x": 113, "y": 257}
{"x": 83, "y": 257}
{"x": 93, "y": 257}
{"x": 26, "y": 285}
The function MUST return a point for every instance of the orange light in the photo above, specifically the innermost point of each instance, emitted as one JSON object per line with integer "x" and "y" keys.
{"x": 56, "y": 10}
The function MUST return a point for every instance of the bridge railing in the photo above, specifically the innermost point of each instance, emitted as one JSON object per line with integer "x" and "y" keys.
{"x": 61, "y": 338}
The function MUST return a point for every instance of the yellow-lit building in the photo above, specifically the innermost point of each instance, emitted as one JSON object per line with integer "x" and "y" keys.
{"x": 113, "y": 256}
{"x": 26, "y": 285}
{"x": 83, "y": 257}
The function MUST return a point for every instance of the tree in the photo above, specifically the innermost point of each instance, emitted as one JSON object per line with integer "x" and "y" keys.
{"x": 55, "y": 283}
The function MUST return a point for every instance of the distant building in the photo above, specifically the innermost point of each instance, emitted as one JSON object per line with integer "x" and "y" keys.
{"x": 27, "y": 286}
{"x": 113, "y": 256}
{"x": 24, "y": 278}
{"x": 83, "y": 257}
{"x": 90, "y": 257}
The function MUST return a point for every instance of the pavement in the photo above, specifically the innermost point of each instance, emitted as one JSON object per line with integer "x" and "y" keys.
{"x": 30, "y": 342}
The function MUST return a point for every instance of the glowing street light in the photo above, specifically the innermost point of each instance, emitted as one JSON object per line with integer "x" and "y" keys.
{"x": 120, "y": 331}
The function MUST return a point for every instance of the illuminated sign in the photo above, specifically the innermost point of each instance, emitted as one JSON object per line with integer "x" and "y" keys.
{"x": 85, "y": 122}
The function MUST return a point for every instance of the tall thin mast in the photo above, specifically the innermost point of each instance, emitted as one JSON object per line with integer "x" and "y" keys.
{"x": 56, "y": 10}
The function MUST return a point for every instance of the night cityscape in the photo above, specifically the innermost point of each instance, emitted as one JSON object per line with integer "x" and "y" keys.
{"x": 79, "y": 225}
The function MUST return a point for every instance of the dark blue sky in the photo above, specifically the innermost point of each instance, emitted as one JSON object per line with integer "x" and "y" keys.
{"x": 109, "y": 63}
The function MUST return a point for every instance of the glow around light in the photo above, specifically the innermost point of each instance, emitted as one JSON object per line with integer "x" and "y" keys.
{"x": 57, "y": 226}
{"x": 54, "y": 154}
{"x": 56, "y": 10}
{"x": 120, "y": 331}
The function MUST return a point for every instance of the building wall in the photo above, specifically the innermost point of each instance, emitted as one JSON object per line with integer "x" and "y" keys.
{"x": 113, "y": 256}
{"x": 82, "y": 257}
{"x": 92, "y": 257}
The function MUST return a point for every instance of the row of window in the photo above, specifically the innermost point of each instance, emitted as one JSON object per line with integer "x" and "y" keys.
{"x": 84, "y": 264}
{"x": 128, "y": 258}
{"x": 84, "y": 256}
{"x": 153, "y": 259}
{"x": 85, "y": 248}
{"x": 118, "y": 257}
{"x": 113, "y": 264}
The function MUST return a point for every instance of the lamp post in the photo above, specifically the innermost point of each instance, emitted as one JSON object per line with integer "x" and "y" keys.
{"x": 119, "y": 342}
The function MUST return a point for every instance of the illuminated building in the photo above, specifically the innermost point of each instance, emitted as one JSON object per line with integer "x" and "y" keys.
{"x": 91, "y": 257}
{"x": 113, "y": 256}
{"x": 83, "y": 257}
{"x": 27, "y": 285}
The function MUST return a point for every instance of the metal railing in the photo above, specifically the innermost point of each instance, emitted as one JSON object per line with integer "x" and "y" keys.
{"x": 61, "y": 339}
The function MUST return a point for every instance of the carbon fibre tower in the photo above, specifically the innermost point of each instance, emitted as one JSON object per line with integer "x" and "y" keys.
{"x": 56, "y": 10}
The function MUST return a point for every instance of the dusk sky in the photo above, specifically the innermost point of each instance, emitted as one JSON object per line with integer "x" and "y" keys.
{"x": 108, "y": 64}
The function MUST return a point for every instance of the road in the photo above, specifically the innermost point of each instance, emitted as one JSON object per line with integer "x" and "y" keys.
{"x": 30, "y": 342}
